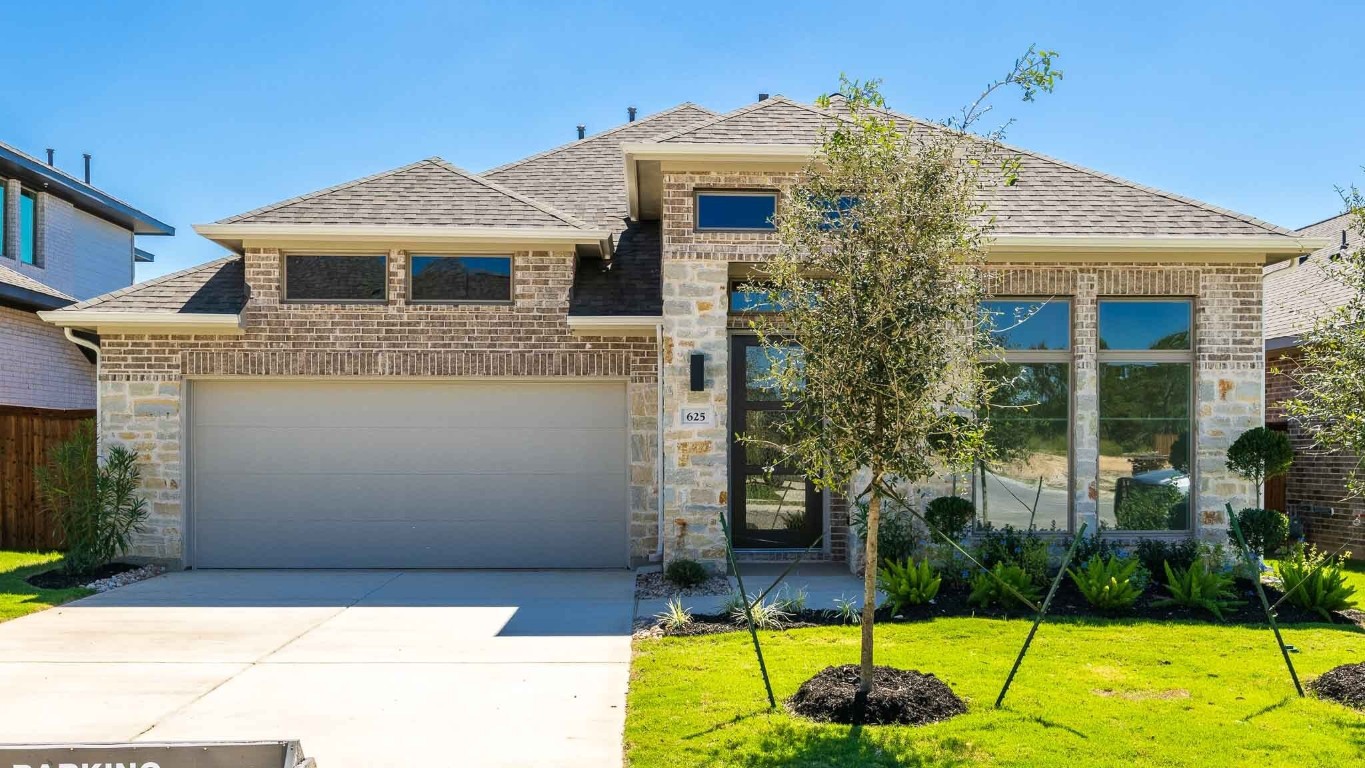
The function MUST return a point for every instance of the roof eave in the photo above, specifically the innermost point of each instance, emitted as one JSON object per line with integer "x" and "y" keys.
{"x": 99, "y": 203}
{"x": 105, "y": 321}
{"x": 614, "y": 325}
{"x": 29, "y": 300}
{"x": 235, "y": 237}
{"x": 1265, "y": 249}
{"x": 633, "y": 152}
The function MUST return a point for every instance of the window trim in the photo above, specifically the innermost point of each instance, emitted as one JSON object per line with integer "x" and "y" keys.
{"x": 284, "y": 277}
{"x": 747, "y": 192}
{"x": 1189, "y": 357}
{"x": 511, "y": 279}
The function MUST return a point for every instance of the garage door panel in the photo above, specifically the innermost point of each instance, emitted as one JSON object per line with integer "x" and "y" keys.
{"x": 388, "y": 450}
{"x": 411, "y": 474}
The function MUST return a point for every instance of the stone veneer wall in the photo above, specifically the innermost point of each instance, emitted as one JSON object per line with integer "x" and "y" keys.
{"x": 142, "y": 383}
{"x": 1228, "y": 363}
{"x": 1315, "y": 490}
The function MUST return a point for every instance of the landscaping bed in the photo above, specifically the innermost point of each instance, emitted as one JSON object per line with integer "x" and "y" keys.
{"x": 17, "y": 596}
{"x": 60, "y": 579}
{"x": 652, "y": 585}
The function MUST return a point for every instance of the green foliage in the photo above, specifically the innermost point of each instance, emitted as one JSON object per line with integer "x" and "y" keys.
{"x": 988, "y": 590}
{"x": 1149, "y": 508}
{"x": 767, "y": 614}
{"x": 1329, "y": 372}
{"x": 1010, "y": 546}
{"x": 96, "y": 504}
{"x": 896, "y": 535}
{"x": 684, "y": 573}
{"x": 1110, "y": 584}
{"x": 1260, "y": 454}
{"x": 1198, "y": 587}
{"x": 848, "y": 610}
{"x": 674, "y": 616}
{"x": 1266, "y": 530}
{"x": 1321, "y": 581}
{"x": 950, "y": 514}
{"x": 908, "y": 583}
{"x": 790, "y": 601}
{"x": 1155, "y": 553}
{"x": 1095, "y": 545}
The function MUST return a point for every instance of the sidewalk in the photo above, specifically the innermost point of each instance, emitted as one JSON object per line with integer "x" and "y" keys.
{"x": 823, "y": 582}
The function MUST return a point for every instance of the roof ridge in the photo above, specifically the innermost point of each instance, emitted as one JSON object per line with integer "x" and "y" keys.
{"x": 73, "y": 179}
{"x": 1310, "y": 225}
{"x": 744, "y": 110}
{"x": 542, "y": 207}
{"x": 595, "y": 136}
{"x": 318, "y": 193}
{"x": 103, "y": 297}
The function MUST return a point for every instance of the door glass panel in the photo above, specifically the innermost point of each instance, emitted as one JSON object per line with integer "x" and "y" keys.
{"x": 765, "y": 368}
{"x": 764, "y": 426}
{"x": 775, "y": 502}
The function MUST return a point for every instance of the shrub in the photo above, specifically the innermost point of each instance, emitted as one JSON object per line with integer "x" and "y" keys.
{"x": 848, "y": 610}
{"x": 767, "y": 614}
{"x": 950, "y": 514}
{"x": 1198, "y": 587}
{"x": 989, "y": 591}
{"x": 674, "y": 616}
{"x": 790, "y": 601}
{"x": 1266, "y": 530}
{"x": 1151, "y": 508}
{"x": 908, "y": 583}
{"x": 1320, "y": 580}
{"x": 1027, "y": 550}
{"x": 684, "y": 573}
{"x": 1155, "y": 553}
{"x": 95, "y": 504}
{"x": 1110, "y": 584}
{"x": 1259, "y": 454}
{"x": 896, "y": 536}
{"x": 1095, "y": 545}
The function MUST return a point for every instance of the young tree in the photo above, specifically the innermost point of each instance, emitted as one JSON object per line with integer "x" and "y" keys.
{"x": 879, "y": 278}
{"x": 1259, "y": 454}
{"x": 1330, "y": 371}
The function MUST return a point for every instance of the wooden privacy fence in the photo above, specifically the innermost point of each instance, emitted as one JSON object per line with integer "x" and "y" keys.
{"x": 26, "y": 436}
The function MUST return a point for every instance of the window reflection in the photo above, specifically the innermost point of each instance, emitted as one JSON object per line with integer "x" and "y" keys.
{"x": 1028, "y": 480}
{"x": 1144, "y": 434}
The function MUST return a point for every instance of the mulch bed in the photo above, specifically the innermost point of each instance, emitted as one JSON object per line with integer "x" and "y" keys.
{"x": 59, "y": 579}
{"x": 898, "y": 697}
{"x": 1344, "y": 684}
{"x": 952, "y": 601}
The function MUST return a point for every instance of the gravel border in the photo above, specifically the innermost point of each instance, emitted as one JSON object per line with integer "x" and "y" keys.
{"x": 125, "y": 578}
{"x": 653, "y": 585}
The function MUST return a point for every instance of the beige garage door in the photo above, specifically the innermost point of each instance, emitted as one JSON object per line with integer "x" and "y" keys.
{"x": 407, "y": 474}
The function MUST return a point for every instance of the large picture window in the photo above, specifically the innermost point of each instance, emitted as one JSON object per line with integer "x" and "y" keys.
{"x": 479, "y": 279}
{"x": 334, "y": 278}
{"x": 1027, "y": 481}
{"x": 1145, "y": 395}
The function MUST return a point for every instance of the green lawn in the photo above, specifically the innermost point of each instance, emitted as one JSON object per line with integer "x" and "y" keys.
{"x": 17, "y": 598}
{"x": 1090, "y": 693}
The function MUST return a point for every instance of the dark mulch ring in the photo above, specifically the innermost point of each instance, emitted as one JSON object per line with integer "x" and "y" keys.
{"x": 1344, "y": 684}
{"x": 59, "y": 579}
{"x": 898, "y": 697}
{"x": 952, "y": 601}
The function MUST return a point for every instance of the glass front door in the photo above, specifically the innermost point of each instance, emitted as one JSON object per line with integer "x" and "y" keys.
{"x": 777, "y": 509}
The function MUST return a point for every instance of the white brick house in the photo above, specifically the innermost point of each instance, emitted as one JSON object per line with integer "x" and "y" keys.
{"x": 428, "y": 367}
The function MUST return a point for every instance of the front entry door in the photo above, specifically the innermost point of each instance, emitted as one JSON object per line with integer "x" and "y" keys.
{"x": 768, "y": 510}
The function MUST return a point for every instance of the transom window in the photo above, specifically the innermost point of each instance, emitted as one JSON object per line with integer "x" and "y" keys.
{"x": 1146, "y": 362}
{"x": 736, "y": 210}
{"x": 750, "y": 297}
{"x": 477, "y": 279}
{"x": 1028, "y": 480}
{"x": 335, "y": 278}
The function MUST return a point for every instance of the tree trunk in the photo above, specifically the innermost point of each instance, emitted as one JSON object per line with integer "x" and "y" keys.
{"x": 874, "y": 516}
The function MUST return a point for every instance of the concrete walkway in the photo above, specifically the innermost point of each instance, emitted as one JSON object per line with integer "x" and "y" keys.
{"x": 366, "y": 668}
{"x": 823, "y": 584}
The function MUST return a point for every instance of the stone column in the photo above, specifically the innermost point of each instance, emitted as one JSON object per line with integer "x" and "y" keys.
{"x": 695, "y": 457}
{"x": 144, "y": 416}
{"x": 1085, "y": 440}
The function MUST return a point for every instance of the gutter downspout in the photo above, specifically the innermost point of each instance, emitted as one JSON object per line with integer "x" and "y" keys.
{"x": 71, "y": 336}
{"x": 658, "y": 555}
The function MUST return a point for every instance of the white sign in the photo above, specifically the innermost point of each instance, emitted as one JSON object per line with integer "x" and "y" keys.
{"x": 698, "y": 417}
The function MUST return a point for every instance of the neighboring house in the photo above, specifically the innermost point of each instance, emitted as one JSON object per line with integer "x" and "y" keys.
{"x": 61, "y": 240}
{"x": 1297, "y": 293}
{"x": 547, "y": 364}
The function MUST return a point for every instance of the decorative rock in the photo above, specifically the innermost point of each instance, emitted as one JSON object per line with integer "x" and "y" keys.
{"x": 126, "y": 578}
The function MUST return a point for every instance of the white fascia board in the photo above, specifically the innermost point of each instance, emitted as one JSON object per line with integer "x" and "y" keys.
{"x": 614, "y": 325}
{"x": 155, "y": 322}
{"x": 1043, "y": 245}
{"x": 233, "y": 235}
{"x": 648, "y": 150}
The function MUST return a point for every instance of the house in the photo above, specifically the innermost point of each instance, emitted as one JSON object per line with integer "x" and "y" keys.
{"x": 1297, "y": 293}
{"x": 547, "y": 364}
{"x": 61, "y": 240}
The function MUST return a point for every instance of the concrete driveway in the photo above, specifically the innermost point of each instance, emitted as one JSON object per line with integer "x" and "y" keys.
{"x": 366, "y": 668}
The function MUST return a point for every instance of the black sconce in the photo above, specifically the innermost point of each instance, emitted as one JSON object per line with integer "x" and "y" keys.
{"x": 698, "y": 371}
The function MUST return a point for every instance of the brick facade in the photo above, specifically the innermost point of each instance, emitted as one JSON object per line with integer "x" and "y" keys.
{"x": 41, "y": 368}
{"x": 1315, "y": 490}
{"x": 142, "y": 382}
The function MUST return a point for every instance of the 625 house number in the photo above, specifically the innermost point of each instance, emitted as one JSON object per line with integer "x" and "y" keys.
{"x": 696, "y": 416}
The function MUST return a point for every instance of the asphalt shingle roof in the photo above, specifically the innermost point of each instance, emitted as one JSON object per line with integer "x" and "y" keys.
{"x": 631, "y": 286}
{"x": 20, "y": 280}
{"x": 428, "y": 192}
{"x": 218, "y": 287}
{"x": 586, "y": 178}
{"x": 1298, "y": 292}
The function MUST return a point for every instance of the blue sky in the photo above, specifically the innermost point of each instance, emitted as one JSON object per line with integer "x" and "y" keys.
{"x": 196, "y": 111}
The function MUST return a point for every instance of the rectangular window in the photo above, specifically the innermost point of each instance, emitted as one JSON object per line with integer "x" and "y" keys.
{"x": 28, "y": 227}
{"x": 736, "y": 210}
{"x": 1027, "y": 481}
{"x": 482, "y": 279}
{"x": 3, "y": 218}
{"x": 751, "y": 297}
{"x": 334, "y": 278}
{"x": 1146, "y": 375}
